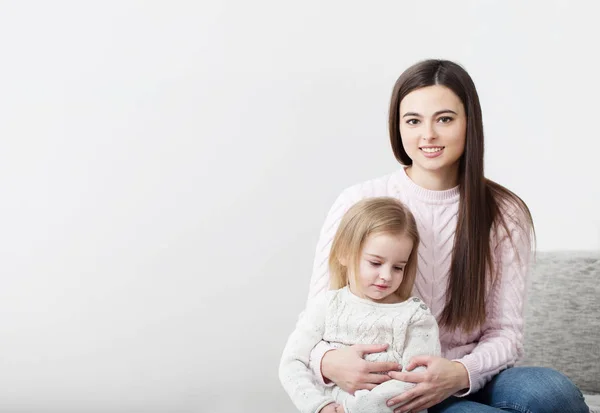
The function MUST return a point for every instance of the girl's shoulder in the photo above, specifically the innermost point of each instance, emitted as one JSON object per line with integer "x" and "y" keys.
{"x": 418, "y": 308}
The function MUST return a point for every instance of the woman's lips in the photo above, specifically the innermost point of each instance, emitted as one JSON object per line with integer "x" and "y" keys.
{"x": 432, "y": 151}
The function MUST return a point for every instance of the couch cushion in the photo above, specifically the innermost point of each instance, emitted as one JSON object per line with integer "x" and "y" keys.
{"x": 593, "y": 403}
{"x": 562, "y": 316}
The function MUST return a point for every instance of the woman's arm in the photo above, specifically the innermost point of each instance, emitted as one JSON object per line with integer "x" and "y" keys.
{"x": 294, "y": 372}
{"x": 319, "y": 281}
{"x": 501, "y": 343}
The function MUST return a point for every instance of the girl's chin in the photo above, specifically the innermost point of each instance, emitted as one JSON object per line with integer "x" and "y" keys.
{"x": 381, "y": 298}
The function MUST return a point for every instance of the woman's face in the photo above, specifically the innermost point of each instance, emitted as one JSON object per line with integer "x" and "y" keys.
{"x": 433, "y": 126}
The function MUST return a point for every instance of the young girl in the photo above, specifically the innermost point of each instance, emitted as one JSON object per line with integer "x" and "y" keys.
{"x": 373, "y": 264}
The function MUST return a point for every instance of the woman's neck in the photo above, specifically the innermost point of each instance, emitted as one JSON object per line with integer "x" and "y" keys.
{"x": 434, "y": 180}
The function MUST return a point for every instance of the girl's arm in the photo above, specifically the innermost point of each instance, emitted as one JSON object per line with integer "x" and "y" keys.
{"x": 426, "y": 378}
{"x": 422, "y": 337}
{"x": 294, "y": 372}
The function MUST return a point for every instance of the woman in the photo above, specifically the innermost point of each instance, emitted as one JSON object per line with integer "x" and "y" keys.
{"x": 474, "y": 256}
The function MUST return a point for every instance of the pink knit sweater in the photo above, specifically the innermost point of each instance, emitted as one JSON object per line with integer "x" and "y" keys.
{"x": 498, "y": 343}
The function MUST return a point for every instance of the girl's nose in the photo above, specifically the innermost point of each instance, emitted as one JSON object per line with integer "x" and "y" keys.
{"x": 385, "y": 274}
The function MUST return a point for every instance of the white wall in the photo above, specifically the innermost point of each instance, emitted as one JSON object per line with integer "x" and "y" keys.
{"x": 165, "y": 168}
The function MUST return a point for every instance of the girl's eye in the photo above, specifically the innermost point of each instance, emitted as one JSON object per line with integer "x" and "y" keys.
{"x": 399, "y": 268}
{"x": 374, "y": 263}
{"x": 445, "y": 119}
{"x": 412, "y": 121}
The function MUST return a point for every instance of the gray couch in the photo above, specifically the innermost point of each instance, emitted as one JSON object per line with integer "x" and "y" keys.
{"x": 563, "y": 319}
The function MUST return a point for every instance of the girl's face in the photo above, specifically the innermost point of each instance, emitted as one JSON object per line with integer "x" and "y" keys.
{"x": 381, "y": 267}
{"x": 433, "y": 126}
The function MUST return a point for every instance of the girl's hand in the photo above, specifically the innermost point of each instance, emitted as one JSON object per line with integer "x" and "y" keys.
{"x": 442, "y": 379}
{"x": 348, "y": 369}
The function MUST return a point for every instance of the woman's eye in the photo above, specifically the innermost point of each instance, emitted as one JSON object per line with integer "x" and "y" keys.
{"x": 412, "y": 121}
{"x": 445, "y": 119}
{"x": 399, "y": 268}
{"x": 374, "y": 263}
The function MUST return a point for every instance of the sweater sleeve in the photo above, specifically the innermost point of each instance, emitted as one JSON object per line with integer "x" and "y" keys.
{"x": 319, "y": 281}
{"x": 501, "y": 343}
{"x": 383, "y": 186}
{"x": 422, "y": 337}
{"x": 294, "y": 372}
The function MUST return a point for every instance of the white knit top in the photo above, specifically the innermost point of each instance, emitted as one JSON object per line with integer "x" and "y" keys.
{"x": 343, "y": 319}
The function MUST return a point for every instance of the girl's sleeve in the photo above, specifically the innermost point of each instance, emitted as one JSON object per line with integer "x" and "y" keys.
{"x": 294, "y": 372}
{"x": 501, "y": 343}
{"x": 422, "y": 336}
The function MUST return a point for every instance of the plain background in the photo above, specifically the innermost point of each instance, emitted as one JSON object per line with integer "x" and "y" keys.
{"x": 165, "y": 168}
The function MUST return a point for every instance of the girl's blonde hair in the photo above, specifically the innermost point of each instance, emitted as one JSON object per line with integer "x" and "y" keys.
{"x": 367, "y": 217}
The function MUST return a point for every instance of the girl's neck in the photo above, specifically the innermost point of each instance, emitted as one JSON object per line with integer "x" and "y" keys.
{"x": 434, "y": 180}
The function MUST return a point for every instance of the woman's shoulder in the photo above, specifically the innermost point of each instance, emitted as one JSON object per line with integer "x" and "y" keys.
{"x": 385, "y": 185}
{"x": 320, "y": 302}
{"x": 513, "y": 215}
{"x": 512, "y": 230}
{"x": 511, "y": 207}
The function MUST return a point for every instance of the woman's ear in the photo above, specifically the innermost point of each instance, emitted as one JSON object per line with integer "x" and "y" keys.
{"x": 343, "y": 261}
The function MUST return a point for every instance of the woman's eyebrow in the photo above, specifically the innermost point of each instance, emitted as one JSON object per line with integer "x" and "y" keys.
{"x": 439, "y": 112}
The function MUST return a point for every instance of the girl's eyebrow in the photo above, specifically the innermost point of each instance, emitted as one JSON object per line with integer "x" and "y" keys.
{"x": 439, "y": 112}
{"x": 381, "y": 258}
{"x": 374, "y": 255}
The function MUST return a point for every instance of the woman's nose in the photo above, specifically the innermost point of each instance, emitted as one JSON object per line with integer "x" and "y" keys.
{"x": 429, "y": 132}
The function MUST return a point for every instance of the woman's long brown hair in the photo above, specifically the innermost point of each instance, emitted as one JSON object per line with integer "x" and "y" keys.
{"x": 483, "y": 203}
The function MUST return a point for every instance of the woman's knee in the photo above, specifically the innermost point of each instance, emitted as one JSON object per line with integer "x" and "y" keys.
{"x": 537, "y": 390}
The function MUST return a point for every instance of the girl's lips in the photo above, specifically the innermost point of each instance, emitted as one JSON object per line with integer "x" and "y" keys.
{"x": 381, "y": 287}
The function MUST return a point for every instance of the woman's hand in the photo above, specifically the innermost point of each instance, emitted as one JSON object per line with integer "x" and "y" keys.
{"x": 442, "y": 379}
{"x": 348, "y": 369}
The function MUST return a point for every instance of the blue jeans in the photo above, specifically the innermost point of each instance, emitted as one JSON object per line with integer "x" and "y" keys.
{"x": 522, "y": 390}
